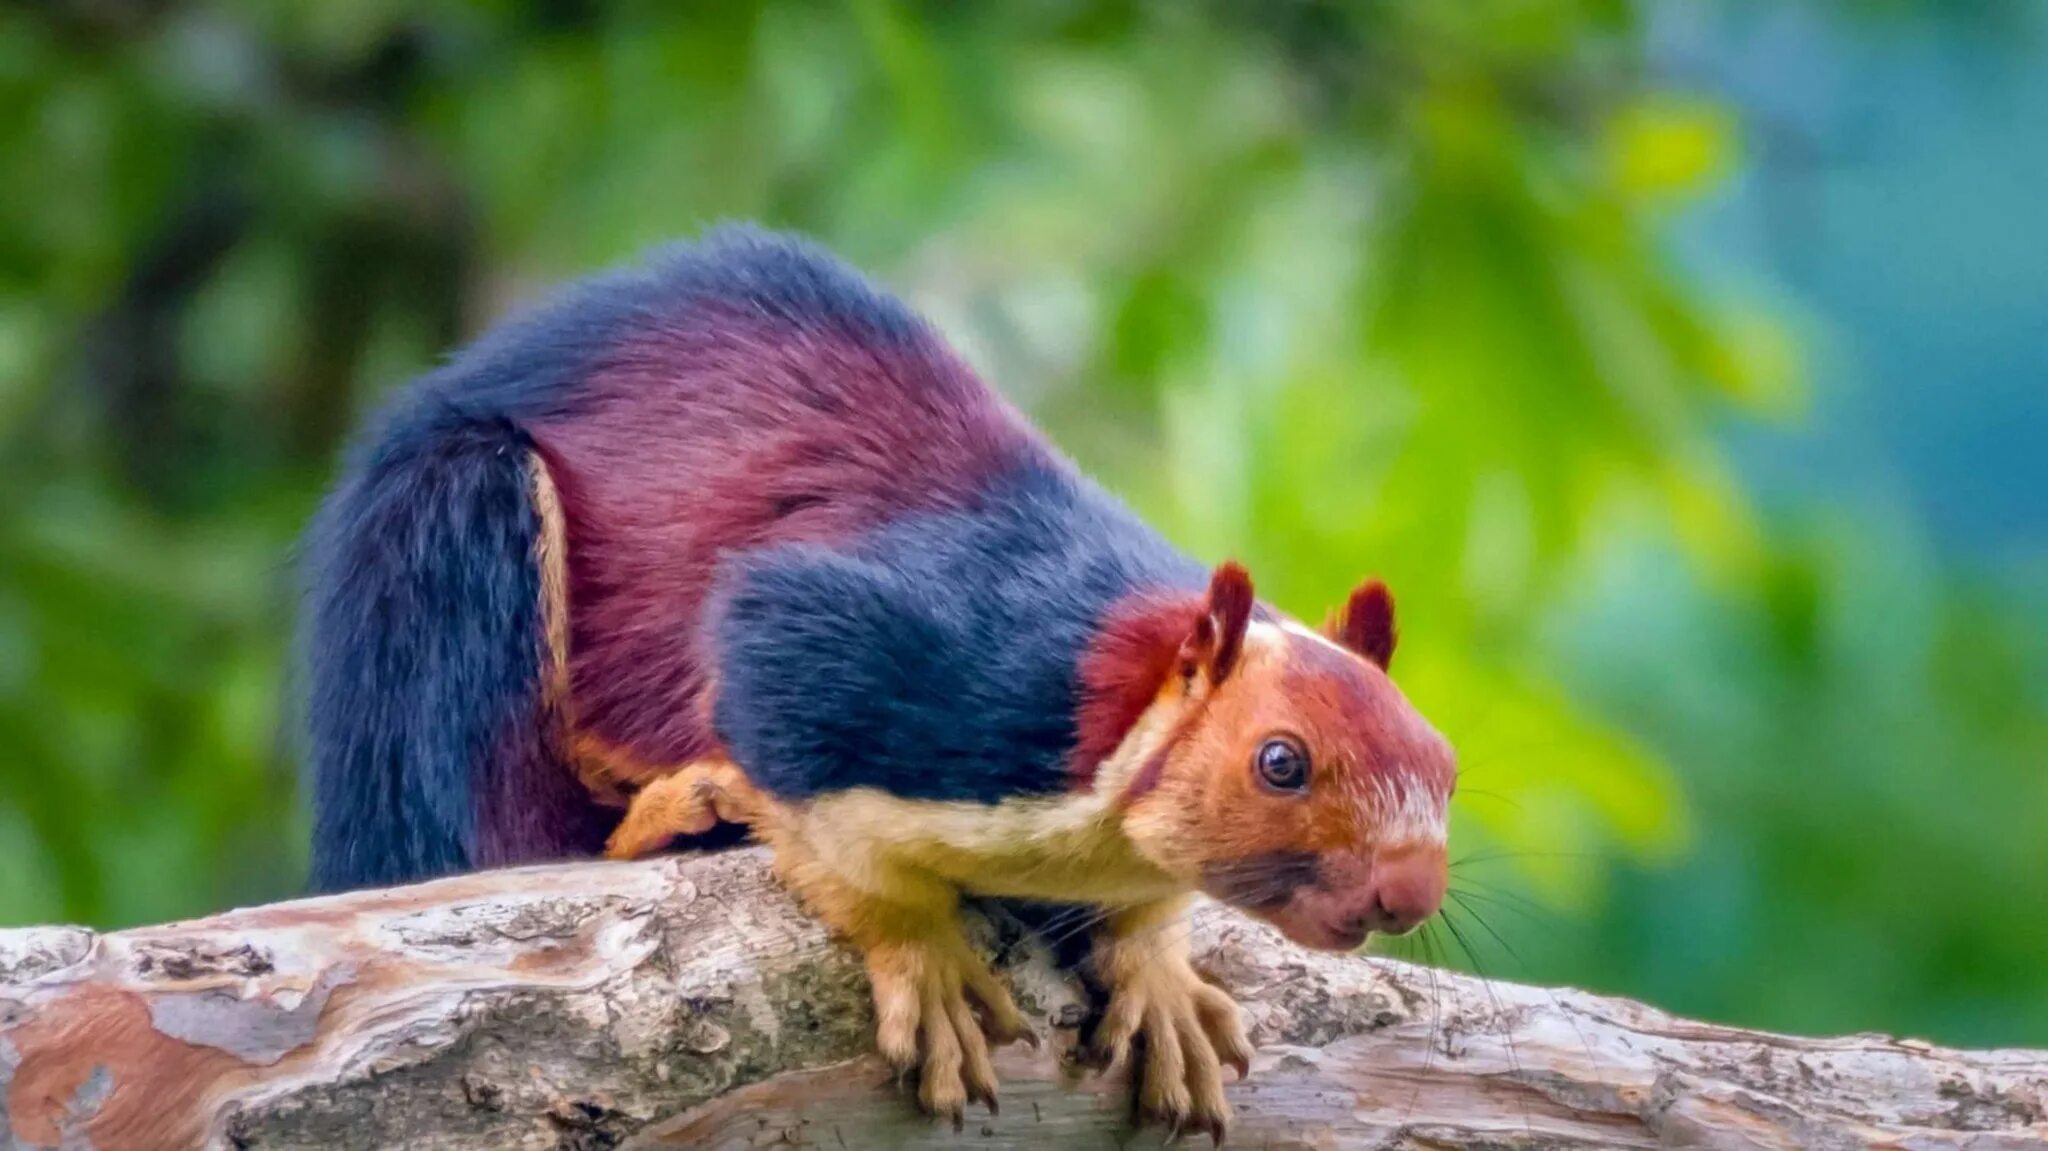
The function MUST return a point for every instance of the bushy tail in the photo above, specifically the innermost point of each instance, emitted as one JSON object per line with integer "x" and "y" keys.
{"x": 433, "y": 741}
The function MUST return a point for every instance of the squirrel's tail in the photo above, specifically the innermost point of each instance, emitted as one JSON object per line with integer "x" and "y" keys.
{"x": 434, "y": 734}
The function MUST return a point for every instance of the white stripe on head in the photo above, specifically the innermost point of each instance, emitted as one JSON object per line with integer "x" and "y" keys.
{"x": 1404, "y": 809}
{"x": 1407, "y": 811}
{"x": 1296, "y": 627}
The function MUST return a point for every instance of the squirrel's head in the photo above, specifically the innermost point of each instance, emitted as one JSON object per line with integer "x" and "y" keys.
{"x": 1277, "y": 768}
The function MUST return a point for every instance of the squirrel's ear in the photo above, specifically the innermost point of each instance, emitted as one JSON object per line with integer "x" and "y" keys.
{"x": 1366, "y": 623}
{"x": 1212, "y": 648}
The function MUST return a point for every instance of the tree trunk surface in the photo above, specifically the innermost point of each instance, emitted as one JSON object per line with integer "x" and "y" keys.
{"x": 687, "y": 1002}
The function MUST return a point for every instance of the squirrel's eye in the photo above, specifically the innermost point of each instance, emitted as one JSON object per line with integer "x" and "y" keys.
{"x": 1282, "y": 764}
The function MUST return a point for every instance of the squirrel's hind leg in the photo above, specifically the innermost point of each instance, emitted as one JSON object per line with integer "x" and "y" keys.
{"x": 684, "y": 803}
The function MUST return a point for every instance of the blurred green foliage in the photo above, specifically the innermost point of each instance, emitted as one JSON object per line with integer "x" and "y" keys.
{"x": 1336, "y": 288}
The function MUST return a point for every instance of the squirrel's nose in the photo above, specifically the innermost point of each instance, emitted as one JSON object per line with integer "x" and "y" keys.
{"x": 1396, "y": 918}
{"x": 1407, "y": 889}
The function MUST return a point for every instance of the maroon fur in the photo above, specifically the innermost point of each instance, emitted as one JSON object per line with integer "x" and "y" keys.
{"x": 531, "y": 808}
{"x": 1346, "y": 708}
{"x": 733, "y": 431}
{"x": 1366, "y": 623}
{"x": 1352, "y": 710}
{"x": 1144, "y": 640}
{"x": 1137, "y": 647}
{"x": 1218, "y": 636}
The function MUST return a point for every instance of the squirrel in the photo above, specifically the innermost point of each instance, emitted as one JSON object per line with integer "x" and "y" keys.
{"x": 735, "y": 538}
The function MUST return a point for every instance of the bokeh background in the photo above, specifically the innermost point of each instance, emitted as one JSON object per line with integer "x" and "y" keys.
{"x": 1684, "y": 366}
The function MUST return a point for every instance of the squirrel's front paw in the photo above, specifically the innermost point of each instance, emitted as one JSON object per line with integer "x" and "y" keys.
{"x": 927, "y": 995}
{"x": 1190, "y": 1030}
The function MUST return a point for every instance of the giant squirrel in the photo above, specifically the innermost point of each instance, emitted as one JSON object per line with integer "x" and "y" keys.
{"x": 736, "y": 538}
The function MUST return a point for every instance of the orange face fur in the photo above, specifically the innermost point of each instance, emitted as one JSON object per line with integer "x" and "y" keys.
{"x": 1338, "y": 832}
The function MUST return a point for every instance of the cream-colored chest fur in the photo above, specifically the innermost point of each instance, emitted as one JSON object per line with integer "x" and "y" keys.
{"x": 1062, "y": 847}
{"x": 1069, "y": 846}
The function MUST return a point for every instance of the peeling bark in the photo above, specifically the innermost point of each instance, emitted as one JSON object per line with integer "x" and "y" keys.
{"x": 687, "y": 1003}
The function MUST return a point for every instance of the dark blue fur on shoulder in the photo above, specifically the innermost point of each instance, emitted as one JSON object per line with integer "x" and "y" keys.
{"x": 937, "y": 659}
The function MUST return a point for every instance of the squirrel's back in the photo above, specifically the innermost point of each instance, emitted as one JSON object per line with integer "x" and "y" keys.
{"x": 760, "y": 392}
{"x": 513, "y": 572}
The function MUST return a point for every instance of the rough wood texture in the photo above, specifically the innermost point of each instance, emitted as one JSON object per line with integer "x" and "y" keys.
{"x": 686, "y": 1003}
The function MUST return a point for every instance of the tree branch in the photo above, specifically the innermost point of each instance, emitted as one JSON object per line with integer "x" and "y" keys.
{"x": 688, "y": 1003}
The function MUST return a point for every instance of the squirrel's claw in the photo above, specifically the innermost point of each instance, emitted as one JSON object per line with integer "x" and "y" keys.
{"x": 1190, "y": 1029}
{"x": 1241, "y": 1064}
{"x": 1219, "y": 1017}
{"x": 926, "y": 995}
